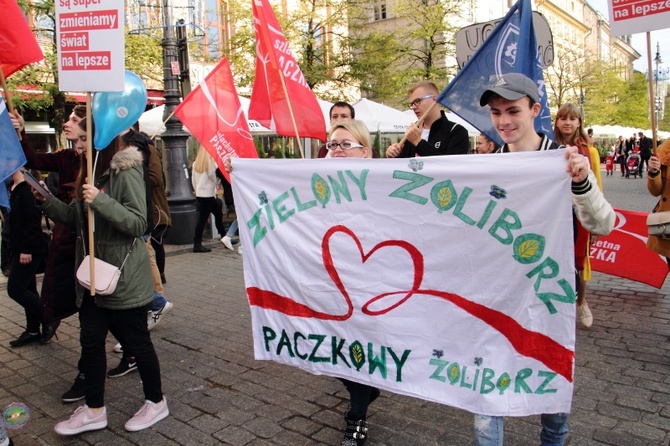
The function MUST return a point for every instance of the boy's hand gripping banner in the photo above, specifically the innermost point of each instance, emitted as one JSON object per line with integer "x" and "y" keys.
{"x": 450, "y": 279}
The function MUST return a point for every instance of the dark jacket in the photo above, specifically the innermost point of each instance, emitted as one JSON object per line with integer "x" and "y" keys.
{"x": 445, "y": 138}
{"x": 155, "y": 180}
{"x": 120, "y": 218}
{"x": 645, "y": 147}
{"x": 25, "y": 223}
{"x": 65, "y": 162}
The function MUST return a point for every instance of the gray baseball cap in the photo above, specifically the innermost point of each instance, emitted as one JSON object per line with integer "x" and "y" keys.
{"x": 511, "y": 86}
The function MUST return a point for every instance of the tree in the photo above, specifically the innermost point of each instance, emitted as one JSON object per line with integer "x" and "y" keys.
{"x": 563, "y": 77}
{"x": 417, "y": 46}
{"x": 144, "y": 57}
{"x": 428, "y": 37}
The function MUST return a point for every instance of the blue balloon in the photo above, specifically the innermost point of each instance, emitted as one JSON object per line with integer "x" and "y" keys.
{"x": 116, "y": 111}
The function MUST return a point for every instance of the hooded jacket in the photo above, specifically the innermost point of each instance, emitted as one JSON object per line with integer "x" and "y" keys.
{"x": 659, "y": 186}
{"x": 120, "y": 219}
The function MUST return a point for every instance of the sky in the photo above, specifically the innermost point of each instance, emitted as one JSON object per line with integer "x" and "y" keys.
{"x": 639, "y": 41}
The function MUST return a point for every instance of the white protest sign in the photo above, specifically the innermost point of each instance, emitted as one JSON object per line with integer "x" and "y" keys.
{"x": 637, "y": 16}
{"x": 449, "y": 279}
{"x": 90, "y": 45}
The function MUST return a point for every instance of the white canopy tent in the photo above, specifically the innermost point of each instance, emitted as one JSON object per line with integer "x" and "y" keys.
{"x": 614, "y": 131}
{"x": 380, "y": 117}
{"x": 151, "y": 121}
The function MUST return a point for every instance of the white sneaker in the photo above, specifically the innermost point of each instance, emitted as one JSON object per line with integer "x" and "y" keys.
{"x": 156, "y": 315}
{"x": 82, "y": 420}
{"x": 118, "y": 348}
{"x": 227, "y": 242}
{"x": 584, "y": 314}
{"x": 239, "y": 250}
{"x": 148, "y": 415}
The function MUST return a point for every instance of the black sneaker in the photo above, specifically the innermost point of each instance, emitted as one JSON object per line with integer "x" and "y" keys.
{"x": 25, "y": 339}
{"x": 356, "y": 433}
{"x": 126, "y": 366}
{"x": 77, "y": 391}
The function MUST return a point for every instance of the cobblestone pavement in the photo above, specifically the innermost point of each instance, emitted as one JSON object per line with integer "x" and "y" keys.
{"x": 218, "y": 394}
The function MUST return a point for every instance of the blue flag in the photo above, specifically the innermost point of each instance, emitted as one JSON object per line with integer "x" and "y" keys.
{"x": 510, "y": 48}
{"x": 11, "y": 153}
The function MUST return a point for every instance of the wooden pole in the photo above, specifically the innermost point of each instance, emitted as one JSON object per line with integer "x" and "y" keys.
{"x": 161, "y": 127}
{"x": 89, "y": 180}
{"x": 419, "y": 123}
{"x": 652, "y": 105}
{"x": 290, "y": 111}
{"x": 8, "y": 99}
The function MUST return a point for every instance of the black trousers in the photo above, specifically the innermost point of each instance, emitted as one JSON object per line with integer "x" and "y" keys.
{"x": 359, "y": 398}
{"x": 206, "y": 206}
{"x": 129, "y": 327}
{"x": 159, "y": 233}
{"x": 22, "y": 288}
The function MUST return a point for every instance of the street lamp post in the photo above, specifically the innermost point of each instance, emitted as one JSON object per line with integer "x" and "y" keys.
{"x": 178, "y": 187}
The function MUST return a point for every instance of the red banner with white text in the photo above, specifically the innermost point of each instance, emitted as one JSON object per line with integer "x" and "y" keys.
{"x": 281, "y": 99}
{"x": 624, "y": 253}
{"x": 213, "y": 114}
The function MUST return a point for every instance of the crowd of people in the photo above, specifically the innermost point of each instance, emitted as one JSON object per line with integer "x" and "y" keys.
{"x": 131, "y": 218}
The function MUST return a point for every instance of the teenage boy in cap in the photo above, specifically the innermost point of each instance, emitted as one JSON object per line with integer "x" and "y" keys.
{"x": 513, "y": 102}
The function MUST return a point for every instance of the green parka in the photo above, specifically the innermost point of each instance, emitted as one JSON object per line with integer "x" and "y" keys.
{"x": 120, "y": 217}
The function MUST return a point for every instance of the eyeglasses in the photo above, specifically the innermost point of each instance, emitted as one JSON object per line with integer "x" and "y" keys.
{"x": 344, "y": 145}
{"x": 415, "y": 103}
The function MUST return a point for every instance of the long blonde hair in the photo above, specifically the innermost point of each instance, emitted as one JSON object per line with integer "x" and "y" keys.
{"x": 203, "y": 160}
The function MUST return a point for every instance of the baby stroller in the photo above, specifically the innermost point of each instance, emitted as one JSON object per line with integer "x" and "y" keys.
{"x": 633, "y": 163}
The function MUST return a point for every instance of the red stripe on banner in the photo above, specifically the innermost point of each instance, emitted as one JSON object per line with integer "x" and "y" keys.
{"x": 273, "y": 301}
{"x": 623, "y": 253}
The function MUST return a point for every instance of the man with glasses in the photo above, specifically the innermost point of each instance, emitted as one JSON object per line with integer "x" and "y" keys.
{"x": 437, "y": 135}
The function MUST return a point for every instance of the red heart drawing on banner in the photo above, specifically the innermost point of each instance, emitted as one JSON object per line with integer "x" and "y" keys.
{"x": 392, "y": 299}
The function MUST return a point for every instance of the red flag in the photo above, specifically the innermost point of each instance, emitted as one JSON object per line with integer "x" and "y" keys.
{"x": 213, "y": 114}
{"x": 624, "y": 253}
{"x": 280, "y": 95}
{"x": 19, "y": 47}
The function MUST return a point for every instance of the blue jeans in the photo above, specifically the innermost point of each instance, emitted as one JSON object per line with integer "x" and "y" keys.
{"x": 232, "y": 229}
{"x": 158, "y": 303}
{"x": 489, "y": 431}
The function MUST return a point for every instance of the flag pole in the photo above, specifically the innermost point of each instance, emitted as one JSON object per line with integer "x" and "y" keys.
{"x": 162, "y": 125}
{"x": 8, "y": 99}
{"x": 290, "y": 111}
{"x": 89, "y": 174}
{"x": 419, "y": 123}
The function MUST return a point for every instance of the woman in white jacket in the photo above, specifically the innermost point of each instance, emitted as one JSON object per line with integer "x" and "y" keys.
{"x": 204, "y": 184}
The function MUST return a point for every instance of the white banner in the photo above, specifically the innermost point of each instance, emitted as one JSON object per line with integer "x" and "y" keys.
{"x": 450, "y": 279}
{"x": 90, "y": 45}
